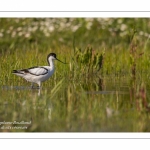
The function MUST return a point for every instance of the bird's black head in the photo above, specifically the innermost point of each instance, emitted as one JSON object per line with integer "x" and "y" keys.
{"x": 53, "y": 55}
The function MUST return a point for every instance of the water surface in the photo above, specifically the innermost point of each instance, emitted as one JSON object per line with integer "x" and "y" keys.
{"x": 93, "y": 105}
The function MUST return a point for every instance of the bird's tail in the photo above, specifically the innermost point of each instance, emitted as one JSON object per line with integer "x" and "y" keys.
{"x": 18, "y": 72}
{"x": 15, "y": 71}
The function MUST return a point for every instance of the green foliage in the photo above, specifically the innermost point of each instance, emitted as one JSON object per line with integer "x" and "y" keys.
{"x": 88, "y": 59}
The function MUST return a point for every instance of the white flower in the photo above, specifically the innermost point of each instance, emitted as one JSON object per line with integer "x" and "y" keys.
{"x": 1, "y": 34}
{"x": 123, "y": 27}
{"x": 27, "y": 35}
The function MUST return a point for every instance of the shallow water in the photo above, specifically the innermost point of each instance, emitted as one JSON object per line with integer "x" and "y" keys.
{"x": 93, "y": 105}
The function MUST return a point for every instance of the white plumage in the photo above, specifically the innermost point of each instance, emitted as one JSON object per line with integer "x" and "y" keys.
{"x": 38, "y": 74}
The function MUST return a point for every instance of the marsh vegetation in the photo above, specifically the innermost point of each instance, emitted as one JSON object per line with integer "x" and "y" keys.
{"x": 103, "y": 88}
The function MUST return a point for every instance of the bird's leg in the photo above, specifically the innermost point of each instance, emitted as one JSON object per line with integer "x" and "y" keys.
{"x": 39, "y": 83}
{"x": 32, "y": 84}
{"x": 39, "y": 92}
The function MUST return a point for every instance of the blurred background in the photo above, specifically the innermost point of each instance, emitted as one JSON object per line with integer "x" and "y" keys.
{"x": 44, "y": 33}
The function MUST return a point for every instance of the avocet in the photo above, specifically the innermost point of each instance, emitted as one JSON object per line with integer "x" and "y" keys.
{"x": 38, "y": 74}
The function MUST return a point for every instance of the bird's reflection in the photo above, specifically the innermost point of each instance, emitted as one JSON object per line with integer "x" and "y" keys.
{"x": 36, "y": 91}
{"x": 49, "y": 109}
{"x": 39, "y": 91}
{"x": 45, "y": 103}
{"x": 49, "y": 113}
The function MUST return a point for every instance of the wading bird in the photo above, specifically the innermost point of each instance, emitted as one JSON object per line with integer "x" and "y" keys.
{"x": 38, "y": 74}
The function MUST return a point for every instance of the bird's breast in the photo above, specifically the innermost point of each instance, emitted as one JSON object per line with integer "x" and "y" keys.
{"x": 48, "y": 75}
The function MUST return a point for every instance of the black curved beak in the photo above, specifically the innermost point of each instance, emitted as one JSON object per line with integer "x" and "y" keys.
{"x": 61, "y": 61}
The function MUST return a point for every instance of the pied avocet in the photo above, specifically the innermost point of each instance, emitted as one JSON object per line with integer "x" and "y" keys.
{"x": 38, "y": 74}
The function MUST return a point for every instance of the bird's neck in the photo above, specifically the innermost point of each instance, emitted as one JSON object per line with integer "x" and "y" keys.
{"x": 51, "y": 63}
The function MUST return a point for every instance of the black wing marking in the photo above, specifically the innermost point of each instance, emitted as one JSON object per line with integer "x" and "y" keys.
{"x": 37, "y": 71}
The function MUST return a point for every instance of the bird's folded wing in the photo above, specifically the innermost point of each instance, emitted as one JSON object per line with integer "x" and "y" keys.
{"x": 37, "y": 71}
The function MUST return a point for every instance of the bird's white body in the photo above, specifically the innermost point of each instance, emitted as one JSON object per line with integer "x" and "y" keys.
{"x": 40, "y": 73}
